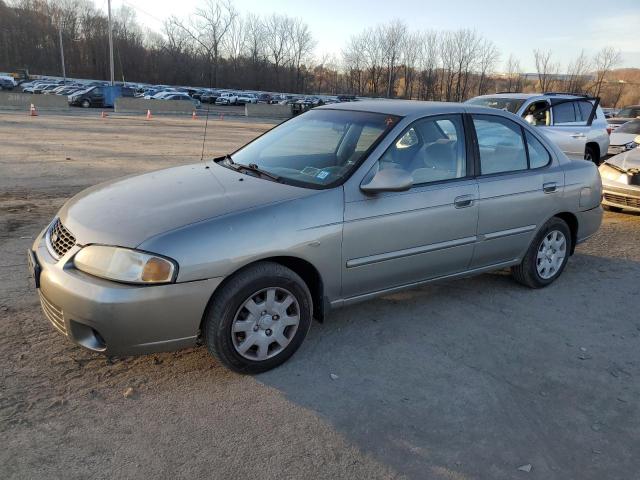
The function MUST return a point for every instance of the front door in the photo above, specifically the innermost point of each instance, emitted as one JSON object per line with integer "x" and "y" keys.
{"x": 398, "y": 238}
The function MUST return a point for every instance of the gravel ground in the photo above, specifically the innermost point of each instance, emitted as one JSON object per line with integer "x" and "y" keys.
{"x": 461, "y": 380}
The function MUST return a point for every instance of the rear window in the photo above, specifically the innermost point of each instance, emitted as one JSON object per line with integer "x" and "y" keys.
{"x": 501, "y": 103}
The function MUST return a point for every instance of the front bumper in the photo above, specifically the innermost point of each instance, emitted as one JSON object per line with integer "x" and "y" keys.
{"x": 119, "y": 319}
{"x": 621, "y": 196}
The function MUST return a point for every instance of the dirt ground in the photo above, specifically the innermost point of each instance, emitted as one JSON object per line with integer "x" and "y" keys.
{"x": 468, "y": 379}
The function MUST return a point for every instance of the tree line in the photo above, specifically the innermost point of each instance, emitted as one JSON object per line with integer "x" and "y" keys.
{"x": 219, "y": 46}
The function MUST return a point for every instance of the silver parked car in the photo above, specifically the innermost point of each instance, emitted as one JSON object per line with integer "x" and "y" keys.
{"x": 575, "y": 123}
{"x": 341, "y": 204}
{"x": 624, "y": 137}
{"x": 621, "y": 181}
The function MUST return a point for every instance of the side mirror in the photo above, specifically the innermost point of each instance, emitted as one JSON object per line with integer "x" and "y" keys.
{"x": 389, "y": 180}
{"x": 530, "y": 120}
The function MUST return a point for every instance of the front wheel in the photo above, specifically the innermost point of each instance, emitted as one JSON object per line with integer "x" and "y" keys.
{"x": 259, "y": 318}
{"x": 86, "y": 104}
{"x": 546, "y": 257}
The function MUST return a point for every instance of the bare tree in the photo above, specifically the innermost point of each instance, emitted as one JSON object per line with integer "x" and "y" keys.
{"x": 302, "y": 44}
{"x": 547, "y": 70}
{"x": 207, "y": 29}
{"x": 277, "y": 40}
{"x": 234, "y": 42}
{"x": 514, "y": 74}
{"x": 604, "y": 61}
{"x": 353, "y": 62}
{"x": 578, "y": 73}
{"x": 410, "y": 52}
{"x": 373, "y": 58}
{"x": 429, "y": 57}
{"x": 392, "y": 36}
{"x": 488, "y": 58}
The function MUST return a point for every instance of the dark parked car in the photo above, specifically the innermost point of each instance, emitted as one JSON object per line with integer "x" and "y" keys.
{"x": 91, "y": 97}
{"x": 6, "y": 84}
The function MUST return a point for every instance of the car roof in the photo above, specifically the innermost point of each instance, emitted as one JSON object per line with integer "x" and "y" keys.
{"x": 526, "y": 96}
{"x": 401, "y": 108}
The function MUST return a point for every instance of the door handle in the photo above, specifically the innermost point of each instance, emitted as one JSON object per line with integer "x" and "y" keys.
{"x": 578, "y": 135}
{"x": 549, "y": 187}
{"x": 464, "y": 201}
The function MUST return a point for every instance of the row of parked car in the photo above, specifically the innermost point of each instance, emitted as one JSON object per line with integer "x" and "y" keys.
{"x": 233, "y": 97}
{"x": 92, "y": 94}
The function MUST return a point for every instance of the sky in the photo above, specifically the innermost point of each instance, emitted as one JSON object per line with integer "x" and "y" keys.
{"x": 563, "y": 26}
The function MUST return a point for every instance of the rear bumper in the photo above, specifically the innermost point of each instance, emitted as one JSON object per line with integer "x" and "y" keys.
{"x": 119, "y": 319}
{"x": 589, "y": 222}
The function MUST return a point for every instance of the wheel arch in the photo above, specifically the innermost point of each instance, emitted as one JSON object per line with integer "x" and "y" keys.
{"x": 572, "y": 222}
{"x": 305, "y": 269}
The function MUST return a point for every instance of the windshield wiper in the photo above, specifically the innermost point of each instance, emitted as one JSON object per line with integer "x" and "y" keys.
{"x": 252, "y": 167}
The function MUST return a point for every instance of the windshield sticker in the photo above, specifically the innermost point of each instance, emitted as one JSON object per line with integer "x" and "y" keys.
{"x": 312, "y": 171}
{"x": 322, "y": 174}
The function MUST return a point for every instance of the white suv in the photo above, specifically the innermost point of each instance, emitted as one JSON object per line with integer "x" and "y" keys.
{"x": 227, "y": 98}
{"x": 576, "y": 123}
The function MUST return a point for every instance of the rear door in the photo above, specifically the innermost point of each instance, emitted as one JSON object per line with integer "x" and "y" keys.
{"x": 518, "y": 185}
{"x": 568, "y": 129}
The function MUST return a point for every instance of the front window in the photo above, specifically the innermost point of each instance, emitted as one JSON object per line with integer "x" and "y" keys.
{"x": 318, "y": 149}
{"x": 430, "y": 150}
{"x": 501, "y": 103}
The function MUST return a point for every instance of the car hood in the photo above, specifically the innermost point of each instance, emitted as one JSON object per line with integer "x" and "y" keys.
{"x": 128, "y": 211}
{"x": 617, "y": 138}
{"x": 627, "y": 160}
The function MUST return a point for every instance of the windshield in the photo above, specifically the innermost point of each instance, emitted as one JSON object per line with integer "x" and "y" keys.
{"x": 630, "y": 127}
{"x": 317, "y": 149}
{"x": 509, "y": 104}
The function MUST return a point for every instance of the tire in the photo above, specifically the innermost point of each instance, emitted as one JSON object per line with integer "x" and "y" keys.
{"x": 528, "y": 272}
{"x": 591, "y": 155}
{"x": 227, "y": 309}
{"x": 85, "y": 103}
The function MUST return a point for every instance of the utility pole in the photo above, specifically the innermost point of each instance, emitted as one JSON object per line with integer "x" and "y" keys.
{"x": 64, "y": 72}
{"x": 110, "y": 42}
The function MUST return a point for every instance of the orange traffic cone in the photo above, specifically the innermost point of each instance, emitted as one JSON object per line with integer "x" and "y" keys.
{"x": 148, "y": 114}
{"x": 194, "y": 115}
{"x": 103, "y": 114}
{"x": 32, "y": 111}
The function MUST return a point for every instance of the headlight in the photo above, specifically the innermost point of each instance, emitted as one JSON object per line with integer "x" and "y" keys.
{"x": 124, "y": 265}
{"x": 630, "y": 145}
{"x": 612, "y": 174}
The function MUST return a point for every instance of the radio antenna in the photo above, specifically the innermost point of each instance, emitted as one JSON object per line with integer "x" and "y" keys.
{"x": 206, "y": 120}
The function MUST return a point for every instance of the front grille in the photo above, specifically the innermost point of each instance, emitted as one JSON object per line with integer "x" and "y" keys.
{"x": 60, "y": 239}
{"x": 622, "y": 200}
{"x": 54, "y": 314}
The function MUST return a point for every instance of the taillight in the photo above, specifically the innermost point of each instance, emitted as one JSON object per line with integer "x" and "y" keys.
{"x": 609, "y": 130}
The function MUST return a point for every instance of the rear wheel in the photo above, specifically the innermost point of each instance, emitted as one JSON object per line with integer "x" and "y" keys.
{"x": 86, "y": 103}
{"x": 546, "y": 257}
{"x": 591, "y": 155}
{"x": 259, "y": 318}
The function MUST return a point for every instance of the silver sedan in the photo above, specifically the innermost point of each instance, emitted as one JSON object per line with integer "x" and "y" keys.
{"x": 339, "y": 205}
